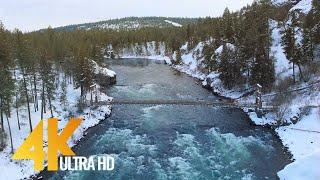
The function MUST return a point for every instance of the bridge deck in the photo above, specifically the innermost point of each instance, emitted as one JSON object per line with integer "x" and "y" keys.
{"x": 176, "y": 102}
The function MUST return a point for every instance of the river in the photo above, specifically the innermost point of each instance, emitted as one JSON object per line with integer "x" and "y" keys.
{"x": 175, "y": 141}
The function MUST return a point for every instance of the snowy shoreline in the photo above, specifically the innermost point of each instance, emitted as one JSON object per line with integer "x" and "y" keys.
{"x": 305, "y": 157}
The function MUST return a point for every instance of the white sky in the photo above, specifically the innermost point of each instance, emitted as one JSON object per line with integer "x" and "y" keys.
{"x": 30, "y": 15}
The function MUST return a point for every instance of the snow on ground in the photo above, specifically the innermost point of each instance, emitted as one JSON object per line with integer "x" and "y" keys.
{"x": 282, "y": 64}
{"x": 310, "y": 97}
{"x": 213, "y": 80}
{"x": 148, "y": 51}
{"x": 191, "y": 61}
{"x": 268, "y": 119}
{"x": 304, "y": 5}
{"x": 279, "y": 2}
{"x": 91, "y": 116}
{"x": 122, "y": 25}
{"x": 302, "y": 143}
{"x": 173, "y": 23}
{"x": 193, "y": 73}
{"x": 215, "y": 83}
{"x": 304, "y": 168}
{"x": 228, "y": 45}
{"x": 305, "y": 147}
{"x": 302, "y": 138}
{"x": 102, "y": 70}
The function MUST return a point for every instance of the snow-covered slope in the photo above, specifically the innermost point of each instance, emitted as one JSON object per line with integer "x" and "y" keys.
{"x": 305, "y": 142}
{"x": 305, "y": 168}
{"x": 102, "y": 70}
{"x": 279, "y": 2}
{"x": 282, "y": 64}
{"x": 303, "y": 5}
{"x": 150, "y": 50}
{"x": 191, "y": 61}
{"x": 173, "y": 23}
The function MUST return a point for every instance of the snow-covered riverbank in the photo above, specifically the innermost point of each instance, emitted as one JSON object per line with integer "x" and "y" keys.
{"x": 302, "y": 139}
{"x": 64, "y": 108}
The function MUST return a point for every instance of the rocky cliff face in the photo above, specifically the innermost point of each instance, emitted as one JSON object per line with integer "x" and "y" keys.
{"x": 105, "y": 80}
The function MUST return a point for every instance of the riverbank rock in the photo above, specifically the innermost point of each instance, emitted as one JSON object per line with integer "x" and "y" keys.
{"x": 105, "y": 80}
{"x": 103, "y": 76}
{"x": 207, "y": 83}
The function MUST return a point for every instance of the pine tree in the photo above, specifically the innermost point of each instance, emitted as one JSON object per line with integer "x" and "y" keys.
{"x": 22, "y": 54}
{"x": 210, "y": 58}
{"x": 63, "y": 95}
{"x": 263, "y": 71}
{"x": 230, "y": 72}
{"x": 315, "y": 11}
{"x": 190, "y": 39}
{"x": 308, "y": 46}
{"x": 227, "y": 22}
{"x": 157, "y": 47}
{"x": 2, "y": 140}
{"x": 262, "y": 67}
{"x": 6, "y": 81}
{"x": 288, "y": 42}
{"x": 178, "y": 57}
{"x": 17, "y": 97}
{"x": 96, "y": 53}
{"x": 48, "y": 78}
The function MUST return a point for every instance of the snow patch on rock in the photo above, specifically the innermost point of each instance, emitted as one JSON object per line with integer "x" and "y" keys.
{"x": 102, "y": 70}
{"x": 173, "y": 23}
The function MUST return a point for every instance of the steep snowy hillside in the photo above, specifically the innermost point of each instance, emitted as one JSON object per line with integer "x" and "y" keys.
{"x": 279, "y": 2}
{"x": 282, "y": 64}
{"x": 303, "y": 6}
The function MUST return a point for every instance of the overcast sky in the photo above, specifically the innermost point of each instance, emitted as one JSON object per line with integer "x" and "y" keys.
{"x": 29, "y": 15}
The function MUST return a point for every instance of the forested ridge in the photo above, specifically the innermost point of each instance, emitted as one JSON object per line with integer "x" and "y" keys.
{"x": 245, "y": 37}
{"x": 128, "y": 23}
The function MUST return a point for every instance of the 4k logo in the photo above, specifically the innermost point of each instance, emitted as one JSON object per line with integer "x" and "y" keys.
{"x": 32, "y": 148}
